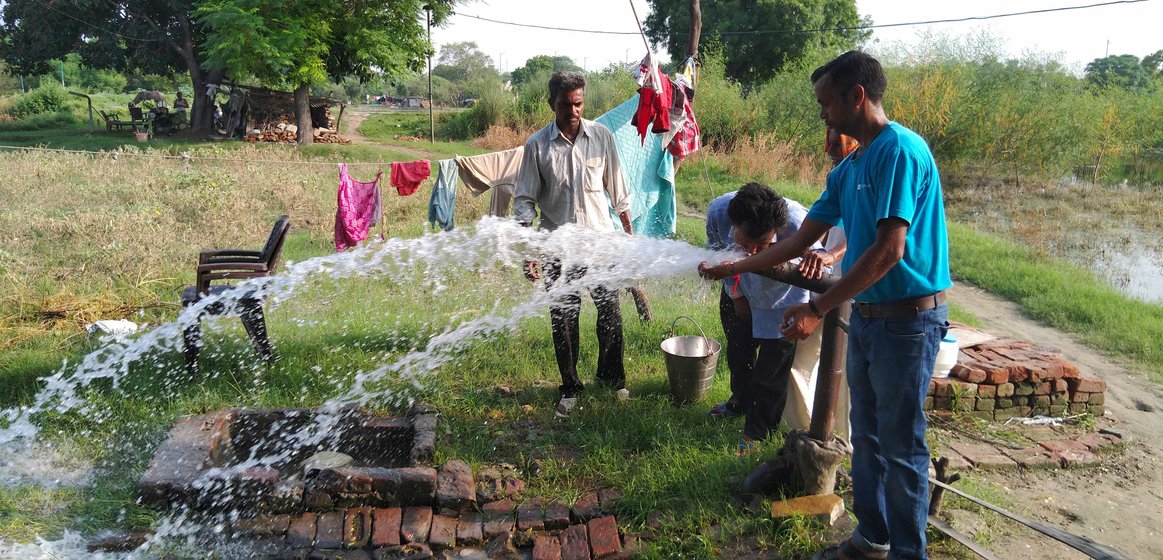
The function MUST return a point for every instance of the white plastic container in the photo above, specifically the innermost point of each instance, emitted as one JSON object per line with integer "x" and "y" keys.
{"x": 946, "y": 356}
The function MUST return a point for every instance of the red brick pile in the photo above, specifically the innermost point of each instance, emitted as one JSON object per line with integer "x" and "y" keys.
{"x": 1004, "y": 378}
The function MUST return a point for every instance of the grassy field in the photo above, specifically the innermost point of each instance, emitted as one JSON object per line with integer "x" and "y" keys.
{"x": 87, "y": 237}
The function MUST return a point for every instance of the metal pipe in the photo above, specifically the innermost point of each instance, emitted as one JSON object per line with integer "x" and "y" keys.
{"x": 90, "y": 100}
{"x": 431, "y": 118}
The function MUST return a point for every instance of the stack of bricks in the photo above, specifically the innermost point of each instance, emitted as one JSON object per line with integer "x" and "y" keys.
{"x": 1005, "y": 378}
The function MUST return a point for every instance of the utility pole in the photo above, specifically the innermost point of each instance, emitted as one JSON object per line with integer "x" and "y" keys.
{"x": 63, "y": 72}
{"x": 1108, "y": 48}
{"x": 431, "y": 118}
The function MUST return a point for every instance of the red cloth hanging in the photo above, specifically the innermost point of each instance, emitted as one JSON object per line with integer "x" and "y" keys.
{"x": 407, "y": 176}
{"x": 653, "y": 109}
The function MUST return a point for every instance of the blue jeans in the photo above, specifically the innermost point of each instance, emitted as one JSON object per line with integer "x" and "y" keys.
{"x": 890, "y": 362}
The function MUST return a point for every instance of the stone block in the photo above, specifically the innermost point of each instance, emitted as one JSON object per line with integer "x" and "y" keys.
{"x": 357, "y": 527}
{"x": 985, "y": 404}
{"x": 443, "y": 533}
{"x": 329, "y": 531}
{"x": 1033, "y": 458}
{"x": 1072, "y": 459}
{"x": 301, "y": 530}
{"x": 404, "y": 486}
{"x": 455, "y": 487}
{"x": 423, "y": 439}
{"x": 1003, "y": 403}
{"x": 192, "y": 444}
{"x": 586, "y": 508}
{"x": 415, "y": 524}
{"x": 530, "y": 517}
{"x": 470, "y": 530}
{"x": 575, "y": 543}
{"x": 1098, "y": 442}
{"x": 604, "y": 539}
{"x": 386, "y": 526}
{"x": 556, "y": 516}
{"x": 987, "y": 392}
{"x": 546, "y": 547}
{"x": 1005, "y": 390}
{"x": 826, "y": 509}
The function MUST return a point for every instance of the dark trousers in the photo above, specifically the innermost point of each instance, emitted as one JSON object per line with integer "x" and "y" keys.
{"x": 564, "y": 320}
{"x": 760, "y": 370}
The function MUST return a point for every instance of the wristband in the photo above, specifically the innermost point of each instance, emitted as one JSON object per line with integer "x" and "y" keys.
{"x": 815, "y": 310}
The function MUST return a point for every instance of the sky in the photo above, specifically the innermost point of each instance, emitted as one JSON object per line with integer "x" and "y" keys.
{"x": 1079, "y": 36}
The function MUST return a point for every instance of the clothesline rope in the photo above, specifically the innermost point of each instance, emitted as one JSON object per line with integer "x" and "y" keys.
{"x": 183, "y": 156}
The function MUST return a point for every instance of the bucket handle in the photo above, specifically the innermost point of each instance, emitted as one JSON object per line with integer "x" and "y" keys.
{"x": 675, "y": 321}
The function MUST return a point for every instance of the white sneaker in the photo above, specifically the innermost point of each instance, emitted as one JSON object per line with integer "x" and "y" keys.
{"x": 622, "y": 394}
{"x": 565, "y": 407}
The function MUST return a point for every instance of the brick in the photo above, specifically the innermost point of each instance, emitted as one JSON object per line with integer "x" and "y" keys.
{"x": 262, "y": 526}
{"x": 964, "y": 389}
{"x": 443, "y": 533}
{"x": 586, "y": 508}
{"x": 546, "y": 547}
{"x": 497, "y": 526}
{"x": 1023, "y": 389}
{"x": 1003, "y": 404}
{"x": 969, "y": 374}
{"x": 502, "y": 508}
{"x": 1098, "y": 410}
{"x": 963, "y": 404}
{"x": 1079, "y": 397}
{"x": 1088, "y": 384}
{"x": 556, "y": 516}
{"x": 415, "y": 524}
{"x": 413, "y": 551}
{"x": 1060, "y": 386}
{"x": 941, "y": 387}
{"x": 826, "y": 508}
{"x": 512, "y": 486}
{"x": 1005, "y": 390}
{"x": 604, "y": 539}
{"x": 987, "y": 415}
{"x": 301, "y": 530}
{"x": 932, "y": 387}
{"x": 357, "y": 527}
{"x": 997, "y": 376}
{"x": 318, "y": 499}
{"x": 530, "y": 516}
{"x": 1041, "y": 400}
{"x": 502, "y": 548}
{"x": 1057, "y": 410}
{"x": 404, "y": 486}
{"x": 1060, "y": 445}
{"x": 1003, "y": 414}
{"x": 1061, "y": 398}
{"x": 985, "y": 404}
{"x": 1069, "y": 370}
{"x": 575, "y": 543}
{"x": 1072, "y": 459}
{"x": 1043, "y": 388}
{"x": 942, "y": 403}
{"x": 928, "y": 404}
{"x": 1096, "y": 442}
{"x": 329, "y": 531}
{"x": 386, "y": 526}
{"x": 1040, "y": 410}
{"x": 1097, "y": 399}
{"x": 987, "y": 391}
{"x": 193, "y": 443}
{"x": 455, "y": 488}
{"x": 346, "y": 480}
{"x": 1077, "y": 408}
{"x": 956, "y": 461}
{"x": 1052, "y": 369}
{"x": 983, "y": 457}
{"x": 470, "y": 531}
{"x": 1033, "y": 458}
{"x": 607, "y": 496}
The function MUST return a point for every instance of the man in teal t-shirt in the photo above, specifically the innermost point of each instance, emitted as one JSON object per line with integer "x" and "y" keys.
{"x": 887, "y": 195}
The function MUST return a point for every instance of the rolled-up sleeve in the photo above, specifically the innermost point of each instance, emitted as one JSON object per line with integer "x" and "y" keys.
{"x": 528, "y": 185}
{"x": 614, "y": 179}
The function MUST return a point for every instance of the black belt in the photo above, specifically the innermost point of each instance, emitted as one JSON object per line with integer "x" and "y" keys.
{"x": 902, "y": 309}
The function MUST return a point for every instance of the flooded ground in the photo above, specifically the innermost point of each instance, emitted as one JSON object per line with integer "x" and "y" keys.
{"x": 1112, "y": 230}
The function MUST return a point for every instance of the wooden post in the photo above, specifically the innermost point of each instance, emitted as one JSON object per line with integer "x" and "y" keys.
{"x": 692, "y": 46}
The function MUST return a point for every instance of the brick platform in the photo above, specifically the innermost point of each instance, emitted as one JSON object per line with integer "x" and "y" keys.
{"x": 1005, "y": 378}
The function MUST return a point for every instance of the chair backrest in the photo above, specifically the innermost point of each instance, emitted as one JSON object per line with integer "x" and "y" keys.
{"x": 103, "y": 115}
{"x": 136, "y": 114}
{"x": 274, "y": 245}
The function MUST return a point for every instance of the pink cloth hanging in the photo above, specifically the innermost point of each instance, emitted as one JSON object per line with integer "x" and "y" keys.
{"x": 407, "y": 176}
{"x": 358, "y": 209}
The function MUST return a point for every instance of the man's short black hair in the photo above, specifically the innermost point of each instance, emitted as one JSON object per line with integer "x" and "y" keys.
{"x": 852, "y": 68}
{"x": 564, "y": 82}
{"x": 756, "y": 209}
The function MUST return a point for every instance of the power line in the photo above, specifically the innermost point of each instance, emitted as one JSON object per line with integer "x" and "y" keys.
{"x": 821, "y": 30}
{"x": 94, "y": 26}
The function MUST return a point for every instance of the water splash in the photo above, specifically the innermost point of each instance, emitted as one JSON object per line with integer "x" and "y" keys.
{"x": 611, "y": 259}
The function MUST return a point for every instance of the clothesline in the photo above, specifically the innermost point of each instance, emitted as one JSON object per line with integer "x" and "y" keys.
{"x": 183, "y": 156}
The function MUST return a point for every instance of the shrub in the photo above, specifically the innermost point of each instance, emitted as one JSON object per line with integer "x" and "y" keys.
{"x": 43, "y": 121}
{"x": 48, "y": 97}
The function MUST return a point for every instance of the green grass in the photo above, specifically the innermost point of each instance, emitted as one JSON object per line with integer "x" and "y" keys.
{"x": 387, "y": 128}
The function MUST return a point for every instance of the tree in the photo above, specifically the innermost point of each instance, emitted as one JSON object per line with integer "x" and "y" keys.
{"x": 302, "y": 43}
{"x": 540, "y": 64}
{"x": 754, "y": 58}
{"x": 459, "y": 62}
{"x": 1153, "y": 64}
{"x": 1123, "y": 71}
{"x": 125, "y": 35}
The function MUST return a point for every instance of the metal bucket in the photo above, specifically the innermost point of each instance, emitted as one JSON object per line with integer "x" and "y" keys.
{"x": 690, "y": 364}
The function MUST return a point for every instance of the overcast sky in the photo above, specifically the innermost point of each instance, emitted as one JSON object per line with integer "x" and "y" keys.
{"x": 1080, "y": 35}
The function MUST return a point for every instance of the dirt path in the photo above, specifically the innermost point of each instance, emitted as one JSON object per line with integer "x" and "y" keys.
{"x": 1120, "y": 503}
{"x": 351, "y": 132}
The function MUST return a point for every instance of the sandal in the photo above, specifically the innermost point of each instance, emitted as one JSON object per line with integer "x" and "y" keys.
{"x": 723, "y": 410}
{"x": 746, "y": 446}
{"x": 848, "y": 551}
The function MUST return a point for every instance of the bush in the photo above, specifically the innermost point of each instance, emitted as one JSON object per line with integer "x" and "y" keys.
{"x": 43, "y": 121}
{"x": 48, "y": 97}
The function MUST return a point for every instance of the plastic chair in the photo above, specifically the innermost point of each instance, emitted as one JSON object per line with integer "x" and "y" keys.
{"x": 234, "y": 264}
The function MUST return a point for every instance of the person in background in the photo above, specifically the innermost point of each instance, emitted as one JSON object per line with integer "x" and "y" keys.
{"x": 751, "y": 307}
{"x": 570, "y": 172}
{"x": 887, "y": 194}
{"x": 180, "y": 108}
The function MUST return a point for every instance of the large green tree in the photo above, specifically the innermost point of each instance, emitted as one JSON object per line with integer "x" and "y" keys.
{"x": 1124, "y": 71}
{"x": 757, "y": 38}
{"x": 540, "y": 64}
{"x": 300, "y": 43}
{"x": 150, "y": 36}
